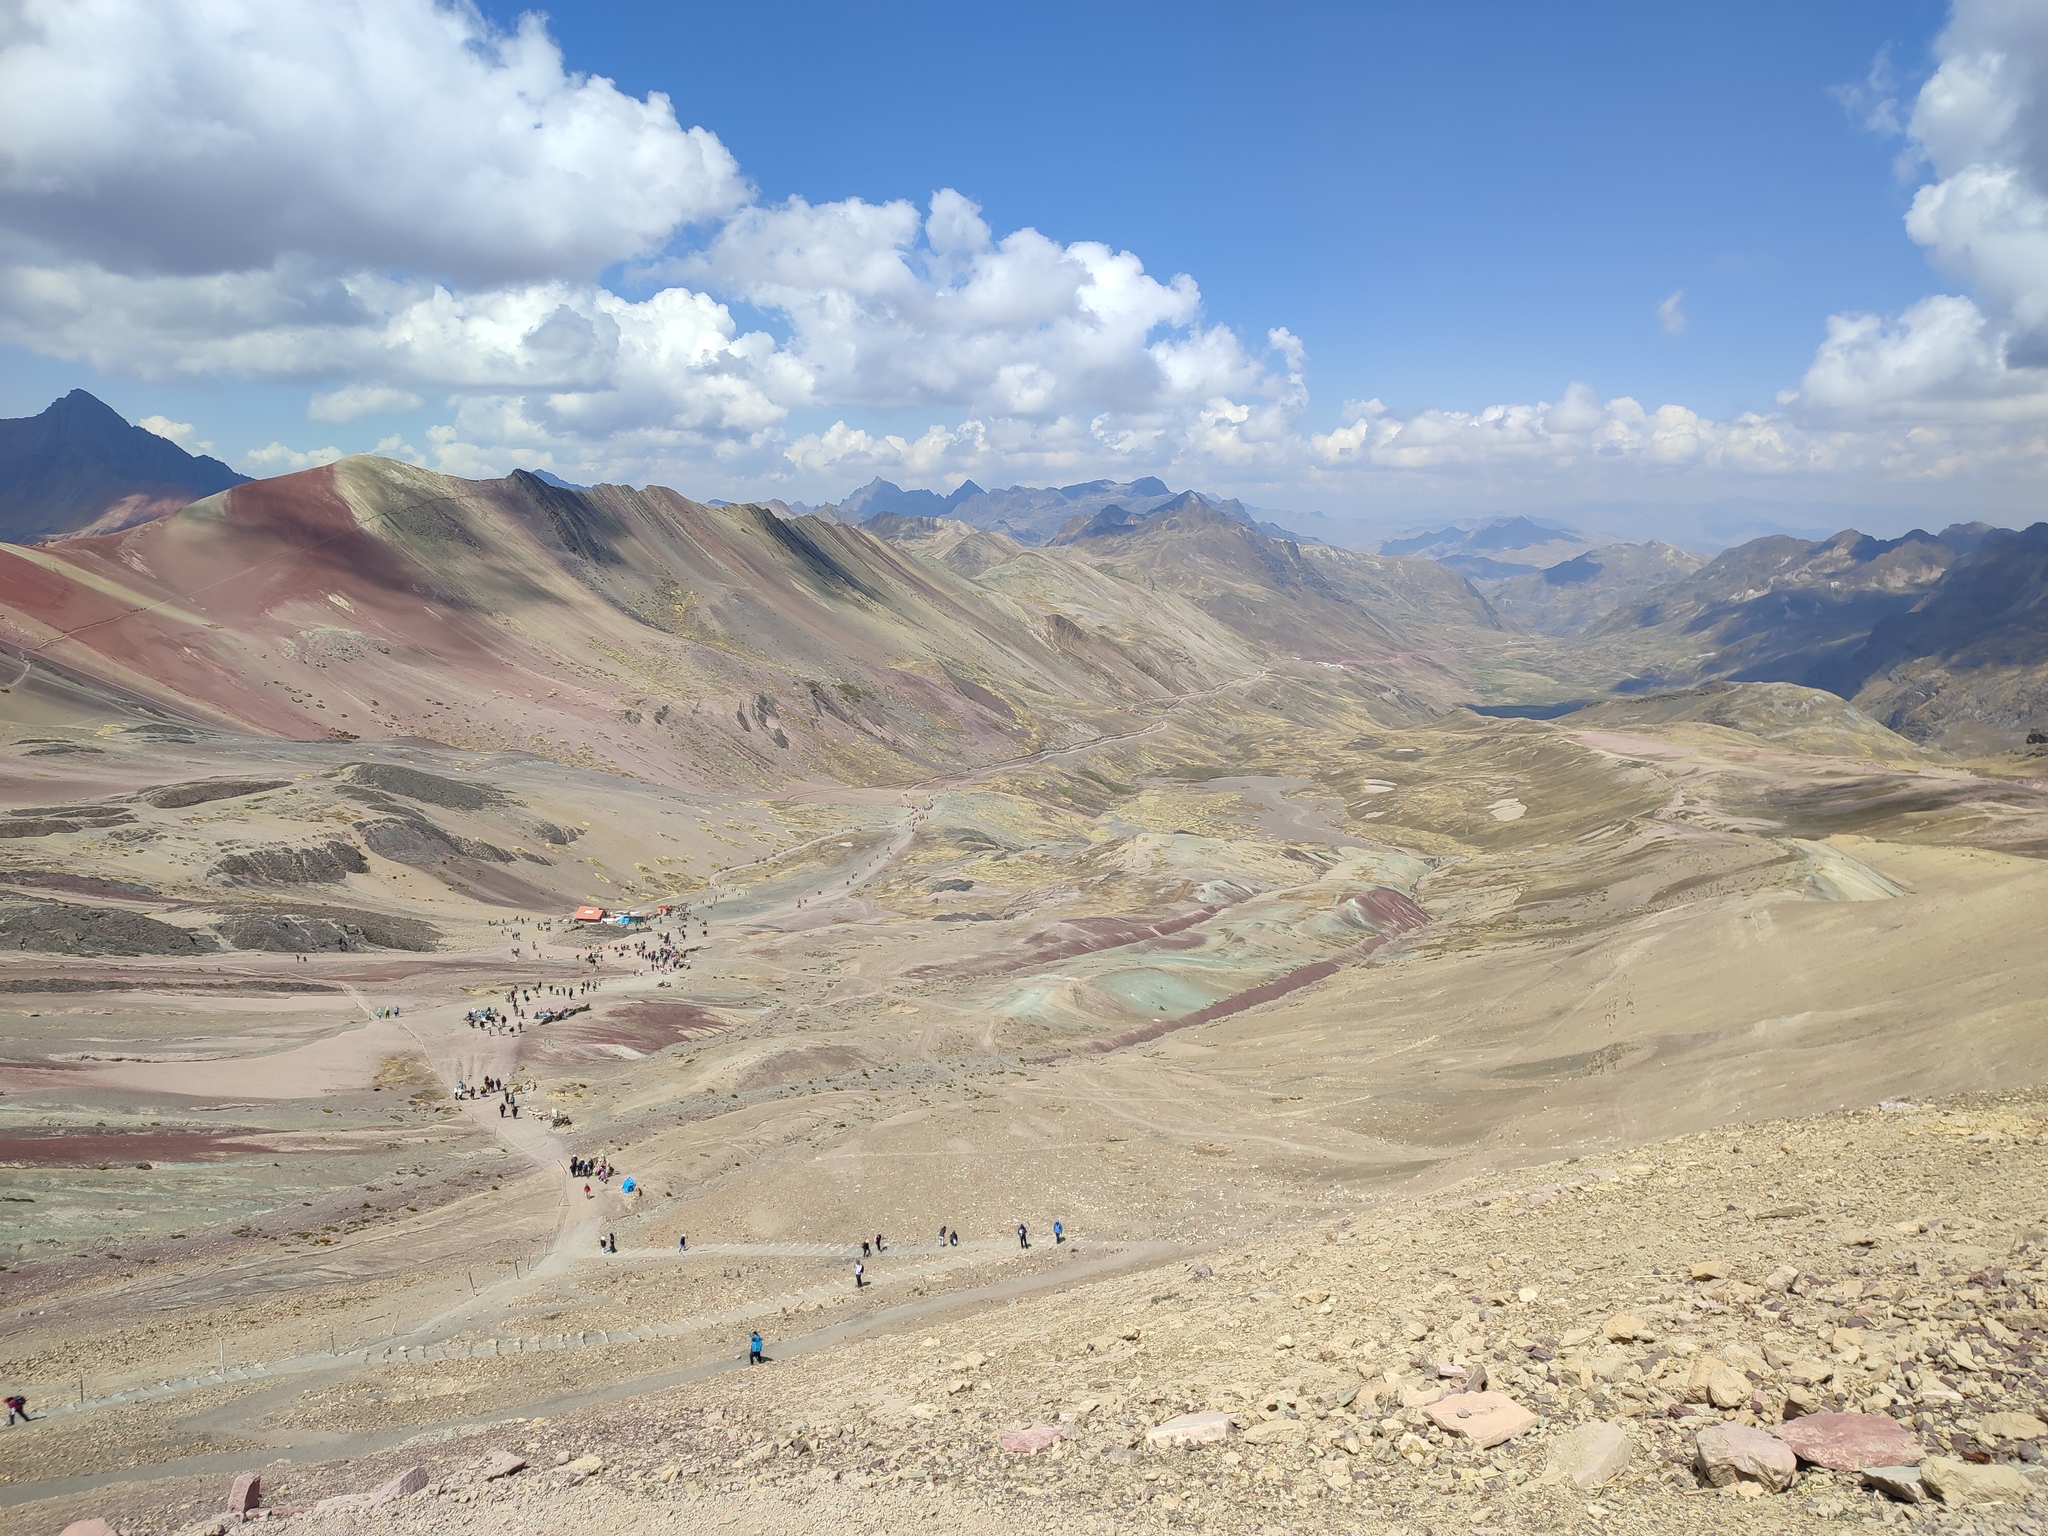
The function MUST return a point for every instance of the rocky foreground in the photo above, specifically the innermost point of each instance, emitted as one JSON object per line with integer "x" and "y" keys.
{"x": 1763, "y": 1328}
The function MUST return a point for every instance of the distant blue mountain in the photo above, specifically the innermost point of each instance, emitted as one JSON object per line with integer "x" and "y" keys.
{"x": 556, "y": 481}
{"x": 880, "y": 495}
{"x": 80, "y": 464}
{"x": 1034, "y": 514}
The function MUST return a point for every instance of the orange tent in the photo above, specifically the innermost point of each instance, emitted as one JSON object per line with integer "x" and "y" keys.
{"x": 590, "y": 914}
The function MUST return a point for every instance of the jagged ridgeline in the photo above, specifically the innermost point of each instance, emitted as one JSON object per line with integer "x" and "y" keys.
{"x": 710, "y": 645}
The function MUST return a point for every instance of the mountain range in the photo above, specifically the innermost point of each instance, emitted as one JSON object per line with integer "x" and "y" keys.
{"x": 1033, "y": 514}
{"x": 720, "y": 644}
{"x": 679, "y": 642}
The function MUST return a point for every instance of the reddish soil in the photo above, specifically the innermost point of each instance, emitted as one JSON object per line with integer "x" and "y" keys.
{"x": 643, "y": 1027}
{"x": 1075, "y": 936}
{"x": 1390, "y": 911}
{"x": 90, "y": 1149}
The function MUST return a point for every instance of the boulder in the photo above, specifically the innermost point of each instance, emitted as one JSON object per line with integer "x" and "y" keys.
{"x": 1849, "y": 1442}
{"x": 1730, "y": 1453}
{"x": 1589, "y": 1455}
{"x": 2011, "y": 1426}
{"x": 1028, "y": 1442}
{"x": 246, "y": 1494}
{"x": 1959, "y": 1482}
{"x": 588, "y": 1466}
{"x": 1190, "y": 1429}
{"x": 1484, "y": 1418}
{"x": 88, "y": 1528}
{"x": 1711, "y": 1269}
{"x": 503, "y": 1464}
{"x": 411, "y": 1480}
{"x": 1900, "y": 1484}
{"x": 1622, "y": 1327}
{"x": 1727, "y": 1387}
{"x": 1781, "y": 1278}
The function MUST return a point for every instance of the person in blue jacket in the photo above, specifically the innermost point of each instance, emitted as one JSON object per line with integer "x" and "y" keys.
{"x": 754, "y": 1355}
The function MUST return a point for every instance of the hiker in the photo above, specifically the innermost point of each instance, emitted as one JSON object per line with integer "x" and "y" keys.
{"x": 683, "y": 1243}
{"x": 860, "y": 1274}
{"x": 863, "y": 1247}
{"x": 942, "y": 1237}
{"x": 611, "y": 1241}
{"x": 955, "y": 1238}
{"x": 878, "y": 1242}
{"x": 17, "y": 1404}
{"x": 586, "y": 1193}
{"x": 754, "y": 1355}
{"x": 1023, "y": 1236}
{"x": 1059, "y": 1234}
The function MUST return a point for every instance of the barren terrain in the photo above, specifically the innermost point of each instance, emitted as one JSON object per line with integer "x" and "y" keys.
{"x": 1353, "y": 1039}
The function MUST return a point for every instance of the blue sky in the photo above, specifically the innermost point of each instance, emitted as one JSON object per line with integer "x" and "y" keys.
{"x": 1451, "y": 205}
{"x": 1425, "y": 249}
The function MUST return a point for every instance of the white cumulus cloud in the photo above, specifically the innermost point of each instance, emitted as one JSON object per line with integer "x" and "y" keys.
{"x": 275, "y": 458}
{"x": 231, "y": 135}
{"x": 354, "y": 400}
{"x": 386, "y": 202}
{"x": 179, "y": 432}
{"x": 1980, "y": 123}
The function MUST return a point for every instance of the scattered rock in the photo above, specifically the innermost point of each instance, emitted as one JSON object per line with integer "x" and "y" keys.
{"x": 1622, "y": 1328}
{"x": 1589, "y": 1455}
{"x": 1728, "y": 1453}
{"x": 1713, "y": 1380}
{"x": 1800, "y": 1401}
{"x": 2011, "y": 1426}
{"x": 503, "y": 1464}
{"x": 412, "y": 1480}
{"x": 246, "y": 1493}
{"x": 88, "y": 1528}
{"x": 587, "y": 1466}
{"x": 1280, "y": 1431}
{"x": 1728, "y": 1388}
{"x": 1190, "y": 1429}
{"x": 1781, "y": 1278}
{"x": 1849, "y": 1442}
{"x": 1958, "y": 1482}
{"x": 1900, "y": 1484}
{"x": 1711, "y": 1269}
{"x": 1420, "y": 1394}
{"x": 1484, "y": 1418}
{"x": 1028, "y": 1442}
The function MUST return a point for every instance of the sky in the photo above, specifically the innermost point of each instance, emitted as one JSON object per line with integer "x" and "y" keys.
{"x": 1668, "y": 271}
